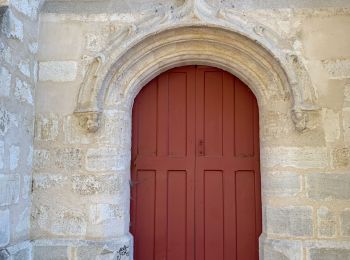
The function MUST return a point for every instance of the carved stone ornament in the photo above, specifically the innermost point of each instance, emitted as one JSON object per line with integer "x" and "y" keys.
{"x": 202, "y": 34}
{"x": 90, "y": 121}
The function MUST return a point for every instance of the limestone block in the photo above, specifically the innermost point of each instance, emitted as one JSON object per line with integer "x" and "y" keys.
{"x": 41, "y": 159}
{"x": 99, "y": 213}
{"x": 68, "y": 158}
{"x": 46, "y": 181}
{"x": 69, "y": 222}
{"x": 23, "y": 224}
{"x": 289, "y": 221}
{"x": 331, "y": 125}
{"x": 281, "y": 184}
{"x": 329, "y": 254}
{"x": 298, "y": 157}
{"x": 326, "y": 221}
{"x": 346, "y": 125}
{"x": 23, "y": 254}
{"x": 106, "y": 159}
{"x": 23, "y": 92}
{"x": 51, "y": 253}
{"x": 5, "y": 120}
{"x": 46, "y": 127}
{"x": 24, "y": 67}
{"x": 337, "y": 69}
{"x": 9, "y": 189}
{"x": 5, "y": 82}
{"x": 13, "y": 26}
{"x": 14, "y": 156}
{"x": 26, "y": 186}
{"x": 29, "y": 8}
{"x": 4, "y": 227}
{"x": 2, "y": 153}
{"x": 58, "y": 71}
{"x": 347, "y": 94}
{"x": 274, "y": 249}
{"x": 328, "y": 186}
{"x": 91, "y": 184}
{"x": 341, "y": 157}
{"x": 345, "y": 223}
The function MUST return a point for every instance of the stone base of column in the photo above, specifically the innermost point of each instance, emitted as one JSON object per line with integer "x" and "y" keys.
{"x": 20, "y": 251}
{"x": 284, "y": 249}
{"x": 114, "y": 249}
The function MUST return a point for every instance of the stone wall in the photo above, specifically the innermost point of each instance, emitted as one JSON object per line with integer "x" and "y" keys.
{"x": 18, "y": 76}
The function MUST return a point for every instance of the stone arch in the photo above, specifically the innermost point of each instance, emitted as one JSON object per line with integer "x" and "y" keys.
{"x": 271, "y": 78}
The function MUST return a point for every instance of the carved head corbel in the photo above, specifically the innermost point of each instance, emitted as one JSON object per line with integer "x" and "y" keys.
{"x": 90, "y": 121}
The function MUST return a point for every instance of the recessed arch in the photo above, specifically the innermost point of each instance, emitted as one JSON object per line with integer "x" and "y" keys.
{"x": 270, "y": 78}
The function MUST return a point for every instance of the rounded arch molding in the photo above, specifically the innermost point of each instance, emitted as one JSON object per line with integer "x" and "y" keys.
{"x": 118, "y": 78}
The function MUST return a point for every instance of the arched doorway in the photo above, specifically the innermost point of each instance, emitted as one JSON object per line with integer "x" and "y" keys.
{"x": 195, "y": 167}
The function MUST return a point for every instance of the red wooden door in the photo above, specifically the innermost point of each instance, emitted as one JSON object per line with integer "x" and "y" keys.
{"x": 195, "y": 168}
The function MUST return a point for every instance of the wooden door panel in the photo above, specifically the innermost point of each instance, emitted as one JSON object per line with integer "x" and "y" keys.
{"x": 195, "y": 167}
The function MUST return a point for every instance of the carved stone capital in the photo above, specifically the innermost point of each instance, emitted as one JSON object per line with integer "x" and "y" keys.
{"x": 300, "y": 119}
{"x": 90, "y": 121}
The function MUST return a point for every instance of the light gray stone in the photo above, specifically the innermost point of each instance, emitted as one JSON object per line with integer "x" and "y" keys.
{"x": 9, "y": 189}
{"x": 41, "y": 158}
{"x": 91, "y": 184}
{"x": 69, "y": 222}
{"x": 328, "y": 186}
{"x": 2, "y": 154}
{"x": 4, "y": 227}
{"x": 329, "y": 254}
{"x": 331, "y": 125}
{"x": 13, "y": 27}
{"x": 337, "y": 69}
{"x": 345, "y": 222}
{"x": 23, "y": 92}
{"x": 346, "y": 125}
{"x": 5, "y": 82}
{"x": 327, "y": 222}
{"x": 281, "y": 184}
{"x": 24, "y": 67}
{"x": 289, "y": 221}
{"x": 46, "y": 127}
{"x": 68, "y": 158}
{"x": 29, "y": 8}
{"x": 50, "y": 253}
{"x": 42, "y": 182}
{"x": 58, "y": 71}
{"x": 105, "y": 212}
{"x": 298, "y": 157}
{"x": 5, "y": 120}
{"x": 14, "y": 156}
{"x": 341, "y": 157}
{"x": 105, "y": 159}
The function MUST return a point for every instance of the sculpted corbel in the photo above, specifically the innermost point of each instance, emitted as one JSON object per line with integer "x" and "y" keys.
{"x": 87, "y": 110}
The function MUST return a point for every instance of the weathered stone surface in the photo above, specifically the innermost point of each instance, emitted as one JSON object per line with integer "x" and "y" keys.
{"x": 105, "y": 212}
{"x": 41, "y": 159}
{"x": 345, "y": 222}
{"x": 331, "y": 125}
{"x": 91, "y": 184}
{"x": 289, "y": 221}
{"x": 298, "y": 157}
{"x": 23, "y": 92}
{"x": 58, "y": 71}
{"x": 105, "y": 159}
{"x": 29, "y": 8}
{"x": 24, "y": 67}
{"x": 68, "y": 158}
{"x": 281, "y": 184}
{"x": 4, "y": 227}
{"x": 346, "y": 125}
{"x": 13, "y": 26}
{"x": 9, "y": 189}
{"x": 69, "y": 222}
{"x": 328, "y": 186}
{"x": 26, "y": 186}
{"x": 47, "y": 181}
{"x": 327, "y": 222}
{"x": 51, "y": 253}
{"x": 341, "y": 157}
{"x": 337, "y": 69}
{"x": 274, "y": 249}
{"x": 4, "y": 121}
{"x": 329, "y": 254}
{"x": 23, "y": 224}
{"x": 2, "y": 153}
{"x": 14, "y": 156}
{"x": 46, "y": 127}
{"x": 5, "y": 82}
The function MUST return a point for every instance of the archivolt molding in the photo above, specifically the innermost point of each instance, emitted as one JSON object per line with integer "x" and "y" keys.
{"x": 196, "y": 33}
